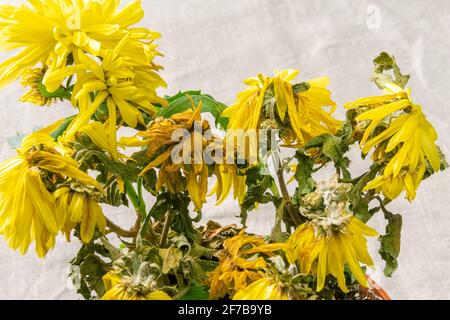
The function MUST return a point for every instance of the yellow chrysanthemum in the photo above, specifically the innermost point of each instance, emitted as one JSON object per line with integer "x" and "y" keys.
{"x": 236, "y": 269}
{"x": 126, "y": 88}
{"x": 301, "y": 113}
{"x": 99, "y": 133}
{"x": 326, "y": 247}
{"x": 190, "y": 170}
{"x": 262, "y": 289}
{"x": 48, "y": 32}
{"x": 407, "y": 135}
{"x": 119, "y": 289}
{"x": 73, "y": 208}
{"x": 158, "y": 138}
{"x": 227, "y": 178}
{"x": 32, "y": 78}
{"x": 27, "y": 208}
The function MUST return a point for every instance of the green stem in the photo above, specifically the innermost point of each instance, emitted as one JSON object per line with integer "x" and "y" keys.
{"x": 274, "y": 189}
{"x": 166, "y": 228}
{"x": 62, "y": 128}
{"x": 134, "y": 198}
{"x": 139, "y": 205}
{"x": 284, "y": 192}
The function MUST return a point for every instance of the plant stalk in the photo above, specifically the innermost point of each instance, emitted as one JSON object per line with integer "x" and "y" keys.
{"x": 139, "y": 205}
{"x": 287, "y": 199}
{"x": 132, "y": 233}
{"x": 166, "y": 228}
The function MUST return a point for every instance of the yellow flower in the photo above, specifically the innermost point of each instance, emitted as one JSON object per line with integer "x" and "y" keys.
{"x": 236, "y": 269}
{"x": 262, "y": 289}
{"x": 227, "y": 177}
{"x": 324, "y": 248}
{"x": 188, "y": 171}
{"x": 408, "y": 136}
{"x": 245, "y": 113}
{"x": 99, "y": 133}
{"x": 73, "y": 208}
{"x": 127, "y": 89}
{"x": 300, "y": 113}
{"x": 32, "y": 78}
{"x": 49, "y": 31}
{"x": 158, "y": 138}
{"x": 118, "y": 288}
{"x": 27, "y": 208}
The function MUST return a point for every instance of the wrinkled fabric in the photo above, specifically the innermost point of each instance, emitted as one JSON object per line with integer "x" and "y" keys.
{"x": 215, "y": 44}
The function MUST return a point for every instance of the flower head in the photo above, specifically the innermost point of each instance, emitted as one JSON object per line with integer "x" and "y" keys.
{"x": 406, "y": 141}
{"x": 124, "y": 288}
{"x": 241, "y": 263}
{"x": 326, "y": 244}
{"x": 49, "y": 31}
{"x": 78, "y": 206}
{"x": 100, "y": 135}
{"x": 126, "y": 89}
{"x": 296, "y": 109}
{"x": 27, "y": 208}
{"x": 179, "y": 146}
{"x": 262, "y": 289}
{"x": 32, "y": 77}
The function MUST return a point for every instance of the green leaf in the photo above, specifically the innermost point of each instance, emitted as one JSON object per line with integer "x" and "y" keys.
{"x": 303, "y": 174}
{"x": 62, "y": 128}
{"x": 258, "y": 185}
{"x": 301, "y": 87}
{"x": 113, "y": 253}
{"x": 183, "y": 101}
{"x": 181, "y": 94}
{"x": 182, "y": 221}
{"x": 196, "y": 292}
{"x": 94, "y": 267}
{"x": 360, "y": 205}
{"x": 277, "y": 234}
{"x": 386, "y": 62}
{"x": 60, "y": 93}
{"x": 333, "y": 148}
{"x": 390, "y": 243}
{"x": 207, "y": 265}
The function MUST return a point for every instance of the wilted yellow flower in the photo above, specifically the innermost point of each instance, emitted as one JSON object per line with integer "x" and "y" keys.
{"x": 325, "y": 246}
{"x": 127, "y": 89}
{"x": 262, "y": 289}
{"x": 245, "y": 113}
{"x": 300, "y": 113}
{"x": 408, "y": 136}
{"x": 237, "y": 267}
{"x": 99, "y": 133}
{"x": 158, "y": 137}
{"x": 228, "y": 177}
{"x": 189, "y": 170}
{"x": 73, "y": 208}
{"x": 48, "y": 32}
{"x": 32, "y": 77}
{"x": 27, "y": 208}
{"x": 118, "y": 288}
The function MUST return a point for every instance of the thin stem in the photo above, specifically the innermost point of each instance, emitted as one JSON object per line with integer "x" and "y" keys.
{"x": 284, "y": 192}
{"x": 166, "y": 228}
{"x": 383, "y": 204}
{"x": 137, "y": 200}
{"x": 134, "y": 198}
{"x": 121, "y": 232}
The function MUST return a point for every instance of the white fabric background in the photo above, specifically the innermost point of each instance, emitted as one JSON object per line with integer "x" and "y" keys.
{"x": 214, "y": 45}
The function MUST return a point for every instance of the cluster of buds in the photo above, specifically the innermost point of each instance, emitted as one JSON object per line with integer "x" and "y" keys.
{"x": 328, "y": 207}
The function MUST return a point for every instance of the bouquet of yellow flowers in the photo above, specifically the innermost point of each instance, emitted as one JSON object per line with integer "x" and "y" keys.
{"x": 91, "y": 54}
